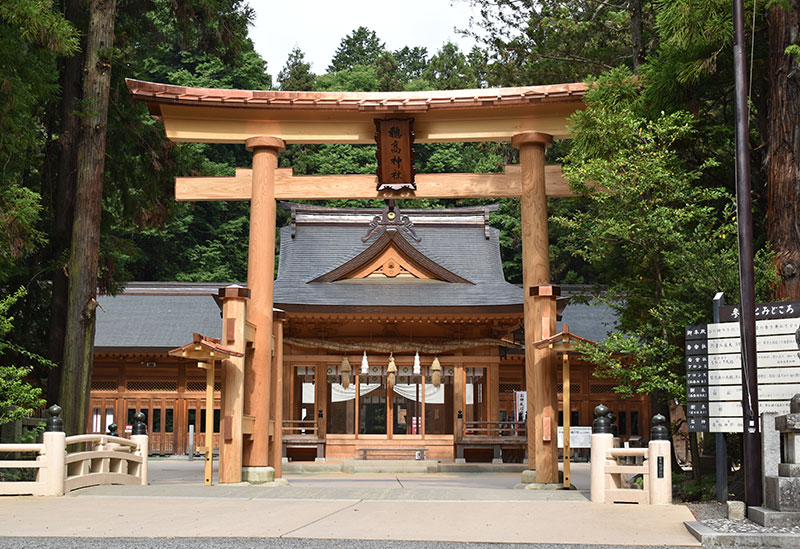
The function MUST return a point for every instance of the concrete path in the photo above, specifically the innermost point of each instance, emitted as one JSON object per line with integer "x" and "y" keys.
{"x": 230, "y": 516}
{"x": 445, "y": 507}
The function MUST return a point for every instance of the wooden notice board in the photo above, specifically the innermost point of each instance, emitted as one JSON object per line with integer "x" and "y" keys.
{"x": 395, "y": 138}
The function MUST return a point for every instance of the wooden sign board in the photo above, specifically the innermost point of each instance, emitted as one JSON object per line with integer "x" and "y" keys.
{"x": 395, "y": 138}
{"x": 714, "y": 367}
{"x": 763, "y": 311}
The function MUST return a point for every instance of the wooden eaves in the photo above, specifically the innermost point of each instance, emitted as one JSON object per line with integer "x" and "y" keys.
{"x": 204, "y": 349}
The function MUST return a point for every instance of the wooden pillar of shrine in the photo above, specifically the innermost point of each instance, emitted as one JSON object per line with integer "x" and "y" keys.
{"x": 234, "y": 305}
{"x": 539, "y": 311}
{"x": 275, "y": 442}
{"x": 260, "y": 277}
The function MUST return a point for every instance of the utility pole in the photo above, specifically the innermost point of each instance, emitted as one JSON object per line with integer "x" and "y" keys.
{"x": 747, "y": 322}
{"x": 721, "y": 454}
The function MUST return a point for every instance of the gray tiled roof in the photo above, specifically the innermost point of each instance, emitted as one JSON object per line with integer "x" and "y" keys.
{"x": 465, "y": 251}
{"x": 150, "y": 322}
{"x": 593, "y": 320}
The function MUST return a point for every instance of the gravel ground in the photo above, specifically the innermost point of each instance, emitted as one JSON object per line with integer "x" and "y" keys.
{"x": 708, "y": 510}
{"x": 715, "y": 516}
{"x": 272, "y": 543}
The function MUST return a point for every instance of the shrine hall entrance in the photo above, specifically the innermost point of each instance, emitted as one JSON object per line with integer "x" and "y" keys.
{"x": 335, "y": 418}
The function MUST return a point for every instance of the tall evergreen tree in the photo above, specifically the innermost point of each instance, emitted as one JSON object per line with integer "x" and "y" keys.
{"x": 296, "y": 74}
{"x": 361, "y": 47}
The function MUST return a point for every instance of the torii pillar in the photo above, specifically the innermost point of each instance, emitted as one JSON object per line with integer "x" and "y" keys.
{"x": 539, "y": 312}
{"x": 260, "y": 275}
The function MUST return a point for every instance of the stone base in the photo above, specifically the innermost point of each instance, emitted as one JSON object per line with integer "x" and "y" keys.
{"x": 782, "y": 493}
{"x": 736, "y": 510}
{"x": 539, "y": 486}
{"x": 770, "y": 517}
{"x": 529, "y": 477}
{"x": 258, "y": 475}
{"x": 319, "y": 460}
{"x": 460, "y": 460}
{"x": 497, "y": 461}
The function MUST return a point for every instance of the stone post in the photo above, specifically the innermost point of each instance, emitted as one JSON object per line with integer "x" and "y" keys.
{"x": 602, "y": 441}
{"x": 55, "y": 444}
{"x": 782, "y": 496}
{"x": 139, "y": 436}
{"x": 659, "y": 454}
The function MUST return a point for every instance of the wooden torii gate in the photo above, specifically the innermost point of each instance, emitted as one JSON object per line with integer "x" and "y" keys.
{"x": 265, "y": 121}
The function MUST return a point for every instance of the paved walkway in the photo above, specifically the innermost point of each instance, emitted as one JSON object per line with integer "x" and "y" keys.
{"x": 443, "y": 507}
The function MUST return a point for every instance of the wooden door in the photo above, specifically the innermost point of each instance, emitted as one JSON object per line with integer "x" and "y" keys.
{"x": 196, "y": 415}
{"x": 102, "y": 413}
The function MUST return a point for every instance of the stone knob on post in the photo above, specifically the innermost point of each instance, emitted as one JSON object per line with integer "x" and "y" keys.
{"x": 601, "y": 423}
{"x": 659, "y": 430}
{"x": 139, "y": 426}
{"x": 112, "y": 430}
{"x": 54, "y": 423}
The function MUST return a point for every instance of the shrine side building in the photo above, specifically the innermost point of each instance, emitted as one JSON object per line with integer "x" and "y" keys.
{"x": 399, "y": 332}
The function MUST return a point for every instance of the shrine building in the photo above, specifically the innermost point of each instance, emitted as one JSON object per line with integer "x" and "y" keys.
{"x": 399, "y": 334}
{"x": 376, "y": 303}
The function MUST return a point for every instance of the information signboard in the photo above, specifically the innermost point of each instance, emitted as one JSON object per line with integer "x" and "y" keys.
{"x": 714, "y": 366}
{"x": 579, "y": 437}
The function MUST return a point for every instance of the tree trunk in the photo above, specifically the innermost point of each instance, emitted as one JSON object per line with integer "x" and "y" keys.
{"x": 783, "y": 164}
{"x": 636, "y": 33}
{"x": 63, "y": 203}
{"x": 84, "y": 250}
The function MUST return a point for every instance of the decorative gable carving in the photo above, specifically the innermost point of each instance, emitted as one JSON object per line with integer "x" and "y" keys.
{"x": 391, "y": 257}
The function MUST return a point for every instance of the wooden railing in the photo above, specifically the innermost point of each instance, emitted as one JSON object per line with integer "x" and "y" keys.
{"x": 300, "y": 427}
{"x": 494, "y": 429}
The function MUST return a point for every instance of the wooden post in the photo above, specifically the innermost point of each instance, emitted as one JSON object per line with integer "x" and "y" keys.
{"x": 209, "y": 426}
{"x": 539, "y": 309}
{"x": 459, "y": 400}
{"x": 567, "y": 412}
{"x": 493, "y": 394}
{"x": 234, "y": 304}
{"x": 277, "y": 395}
{"x": 260, "y": 276}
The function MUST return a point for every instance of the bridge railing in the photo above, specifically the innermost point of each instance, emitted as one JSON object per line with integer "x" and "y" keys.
{"x": 612, "y": 467}
{"x": 101, "y": 459}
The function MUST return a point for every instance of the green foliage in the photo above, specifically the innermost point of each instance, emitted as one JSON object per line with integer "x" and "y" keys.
{"x": 18, "y": 398}
{"x": 663, "y": 244}
{"x": 361, "y": 47}
{"x": 686, "y": 488}
{"x": 32, "y": 35}
{"x": 554, "y": 41}
{"x": 296, "y": 75}
{"x": 449, "y": 70}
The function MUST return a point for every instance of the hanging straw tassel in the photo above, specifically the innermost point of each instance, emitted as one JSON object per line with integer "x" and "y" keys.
{"x": 417, "y": 366}
{"x": 391, "y": 371}
{"x": 364, "y": 364}
{"x": 436, "y": 372}
{"x": 345, "y": 370}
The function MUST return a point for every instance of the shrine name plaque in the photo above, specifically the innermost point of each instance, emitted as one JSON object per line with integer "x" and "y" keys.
{"x": 395, "y": 138}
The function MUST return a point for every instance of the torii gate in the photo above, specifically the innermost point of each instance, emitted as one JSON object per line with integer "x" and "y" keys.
{"x": 264, "y": 121}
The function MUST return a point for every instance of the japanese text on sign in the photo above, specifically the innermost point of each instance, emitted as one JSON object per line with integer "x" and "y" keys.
{"x": 395, "y": 138}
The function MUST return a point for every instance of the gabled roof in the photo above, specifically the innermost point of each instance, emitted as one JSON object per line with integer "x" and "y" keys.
{"x": 458, "y": 244}
{"x": 391, "y": 237}
{"x": 204, "y": 348}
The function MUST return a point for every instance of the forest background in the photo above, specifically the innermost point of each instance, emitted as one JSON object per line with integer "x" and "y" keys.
{"x": 87, "y": 175}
